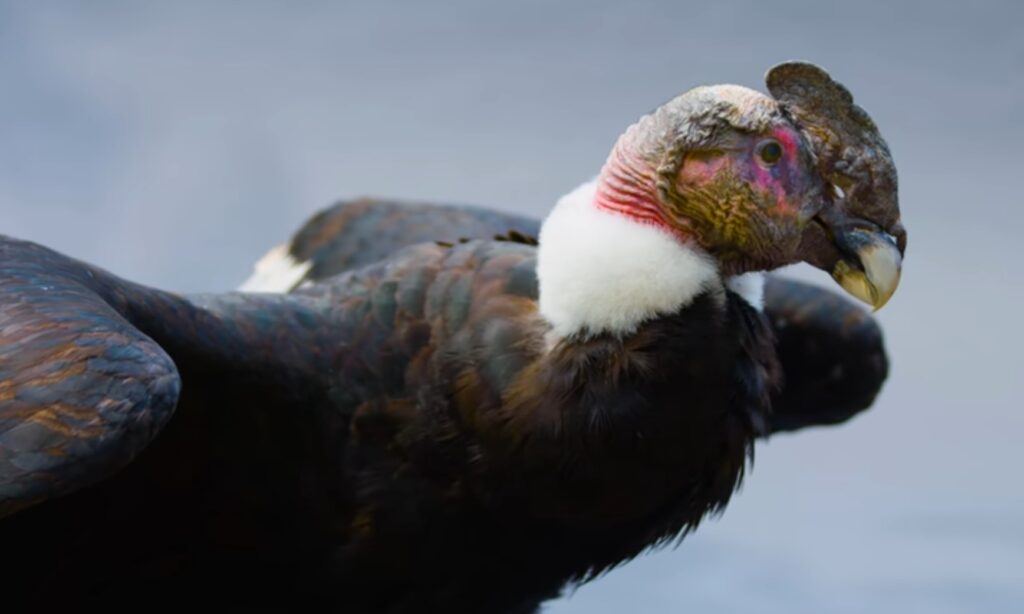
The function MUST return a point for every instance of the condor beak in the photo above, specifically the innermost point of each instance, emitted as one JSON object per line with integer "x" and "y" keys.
{"x": 870, "y": 265}
{"x": 864, "y": 259}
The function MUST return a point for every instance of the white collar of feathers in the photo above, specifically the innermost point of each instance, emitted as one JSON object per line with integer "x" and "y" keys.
{"x": 600, "y": 271}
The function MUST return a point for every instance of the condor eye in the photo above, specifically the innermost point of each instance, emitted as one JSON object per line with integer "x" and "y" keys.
{"x": 770, "y": 152}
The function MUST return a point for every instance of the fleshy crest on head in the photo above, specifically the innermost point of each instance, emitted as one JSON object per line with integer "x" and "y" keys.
{"x": 850, "y": 150}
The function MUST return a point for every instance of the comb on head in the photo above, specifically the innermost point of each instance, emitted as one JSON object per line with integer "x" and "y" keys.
{"x": 851, "y": 151}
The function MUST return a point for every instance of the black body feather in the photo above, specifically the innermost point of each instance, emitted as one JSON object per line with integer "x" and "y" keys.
{"x": 830, "y": 351}
{"x": 395, "y": 440}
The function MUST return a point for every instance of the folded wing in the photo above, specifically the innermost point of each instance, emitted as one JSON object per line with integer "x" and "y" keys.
{"x": 832, "y": 352}
{"x": 82, "y": 391}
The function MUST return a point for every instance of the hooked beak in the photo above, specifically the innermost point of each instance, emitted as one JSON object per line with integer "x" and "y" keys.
{"x": 864, "y": 259}
{"x": 870, "y": 266}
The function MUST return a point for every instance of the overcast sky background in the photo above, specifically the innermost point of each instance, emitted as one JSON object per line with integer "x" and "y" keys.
{"x": 173, "y": 143}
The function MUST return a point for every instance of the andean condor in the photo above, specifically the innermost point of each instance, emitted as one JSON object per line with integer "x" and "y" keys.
{"x": 456, "y": 427}
{"x": 830, "y": 351}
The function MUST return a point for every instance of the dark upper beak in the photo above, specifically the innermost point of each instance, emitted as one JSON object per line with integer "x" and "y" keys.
{"x": 862, "y": 257}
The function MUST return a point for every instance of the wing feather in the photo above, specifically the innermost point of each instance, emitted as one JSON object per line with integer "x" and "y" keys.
{"x": 832, "y": 352}
{"x": 82, "y": 391}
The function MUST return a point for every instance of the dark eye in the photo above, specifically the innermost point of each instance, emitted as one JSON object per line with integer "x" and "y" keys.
{"x": 770, "y": 152}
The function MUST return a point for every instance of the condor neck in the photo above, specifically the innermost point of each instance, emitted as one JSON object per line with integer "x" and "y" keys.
{"x": 626, "y": 186}
{"x": 608, "y": 262}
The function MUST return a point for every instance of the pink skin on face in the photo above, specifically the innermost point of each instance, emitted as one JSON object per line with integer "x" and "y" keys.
{"x": 698, "y": 169}
{"x": 767, "y": 182}
{"x": 788, "y": 141}
{"x": 625, "y": 183}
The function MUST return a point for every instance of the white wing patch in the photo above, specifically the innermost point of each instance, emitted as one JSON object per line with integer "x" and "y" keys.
{"x": 603, "y": 272}
{"x": 277, "y": 272}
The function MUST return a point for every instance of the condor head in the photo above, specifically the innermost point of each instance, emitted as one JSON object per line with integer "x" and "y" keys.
{"x": 758, "y": 182}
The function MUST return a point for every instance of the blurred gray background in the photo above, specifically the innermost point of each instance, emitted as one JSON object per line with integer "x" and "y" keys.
{"x": 173, "y": 143}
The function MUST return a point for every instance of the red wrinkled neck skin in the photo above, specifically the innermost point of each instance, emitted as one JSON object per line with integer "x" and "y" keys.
{"x": 626, "y": 187}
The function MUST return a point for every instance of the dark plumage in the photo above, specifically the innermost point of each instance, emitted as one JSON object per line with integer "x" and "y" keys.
{"x": 830, "y": 351}
{"x": 367, "y": 230}
{"x": 422, "y": 507}
{"x": 431, "y": 431}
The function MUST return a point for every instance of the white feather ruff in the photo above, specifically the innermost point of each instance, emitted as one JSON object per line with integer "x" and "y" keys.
{"x": 604, "y": 272}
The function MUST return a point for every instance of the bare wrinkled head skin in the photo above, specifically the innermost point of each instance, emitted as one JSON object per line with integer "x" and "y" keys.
{"x": 707, "y": 152}
{"x": 763, "y": 181}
